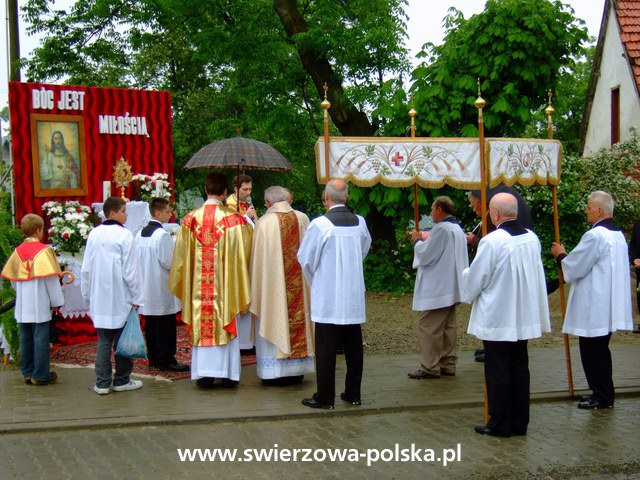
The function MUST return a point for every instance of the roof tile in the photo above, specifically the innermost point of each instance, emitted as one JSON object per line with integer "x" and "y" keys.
{"x": 628, "y": 13}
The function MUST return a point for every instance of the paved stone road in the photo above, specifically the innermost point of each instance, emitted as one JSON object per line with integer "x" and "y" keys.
{"x": 563, "y": 443}
{"x": 65, "y": 431}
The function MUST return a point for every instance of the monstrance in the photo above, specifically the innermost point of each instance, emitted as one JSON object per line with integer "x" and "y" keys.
{"x": 122, "y": 176}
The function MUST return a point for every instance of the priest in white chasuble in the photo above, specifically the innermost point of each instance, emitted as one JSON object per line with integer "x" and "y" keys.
{"x": 210, "y": 275}
{"x": 280, "y": 294}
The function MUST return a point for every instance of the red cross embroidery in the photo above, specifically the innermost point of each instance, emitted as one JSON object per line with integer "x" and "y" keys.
{"x": 396, "y": 159}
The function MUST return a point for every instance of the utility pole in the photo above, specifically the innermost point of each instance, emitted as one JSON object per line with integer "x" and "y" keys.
{"x": 14, "y": 40}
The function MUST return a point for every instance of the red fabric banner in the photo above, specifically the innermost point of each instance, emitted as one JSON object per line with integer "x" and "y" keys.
{"x": 66, "y": 140}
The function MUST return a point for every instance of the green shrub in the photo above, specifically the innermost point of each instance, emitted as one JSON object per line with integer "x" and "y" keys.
{"x": 10, "y": 238}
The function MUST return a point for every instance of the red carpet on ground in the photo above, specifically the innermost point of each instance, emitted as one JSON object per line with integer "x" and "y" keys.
{"x": 84, "y": 354}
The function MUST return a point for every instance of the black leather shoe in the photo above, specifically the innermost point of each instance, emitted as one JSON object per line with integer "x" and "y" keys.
{"x": 592, "y": 404}
{"x": 352, "y": 401}
{"x": 206, "y": 382}
{"x": 228, "y": 383}
{"x": 484, "y": 430}
{"x": 175, "y": 367}
{"x": 421, "y": 374}
{"x": 313, "y": 403}
{"x": 283, "y": 381}
{"x": 584, "y": 399}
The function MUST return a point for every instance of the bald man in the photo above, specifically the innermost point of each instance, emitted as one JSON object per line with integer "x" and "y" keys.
{"x": 331, "y": 257}
{"x": 506, "y": 284}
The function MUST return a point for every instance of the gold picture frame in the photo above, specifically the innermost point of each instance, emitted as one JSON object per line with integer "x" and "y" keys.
{"x": 58, "y": 155}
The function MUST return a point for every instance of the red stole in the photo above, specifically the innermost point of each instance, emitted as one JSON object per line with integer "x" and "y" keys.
{"x": 290, "y": 242}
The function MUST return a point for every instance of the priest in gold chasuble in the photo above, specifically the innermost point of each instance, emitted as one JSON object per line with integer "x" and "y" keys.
{"x": 279, "y": 294}
{"x": 209, "y": 274}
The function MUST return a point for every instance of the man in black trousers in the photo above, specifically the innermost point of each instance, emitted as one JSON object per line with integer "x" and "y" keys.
{"x": 155, "y": 250}
{"x": 331, "y": 257}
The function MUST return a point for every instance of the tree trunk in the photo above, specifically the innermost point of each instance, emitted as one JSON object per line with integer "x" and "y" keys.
{"x": 346, "y": 117}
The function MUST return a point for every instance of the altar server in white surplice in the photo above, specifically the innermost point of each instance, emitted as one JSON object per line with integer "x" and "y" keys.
{"x": 331, "y": 257}
{"x": 280, "y": 294}
{"x": 110, "y": 289}
{"x": 440, "y": 260}
{"x": 506, "y": 284}
{"x": 154, "y": 247}
{"x": 599, "y": 300}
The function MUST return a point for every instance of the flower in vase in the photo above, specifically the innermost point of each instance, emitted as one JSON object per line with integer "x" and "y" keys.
{"x": 70, "y": 225}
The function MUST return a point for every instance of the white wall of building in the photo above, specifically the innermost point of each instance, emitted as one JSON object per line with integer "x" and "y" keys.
{"x": 614, "y": 72}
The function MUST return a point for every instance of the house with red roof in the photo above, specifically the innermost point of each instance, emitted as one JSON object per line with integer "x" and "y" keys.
{"x": 613, "y": 99}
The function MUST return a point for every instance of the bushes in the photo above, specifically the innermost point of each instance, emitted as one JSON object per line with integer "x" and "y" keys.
{"x": 388, "y": 269}
{"x": 10, "y": 238}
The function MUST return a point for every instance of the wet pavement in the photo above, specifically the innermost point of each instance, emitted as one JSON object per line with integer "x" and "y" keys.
{"x": 404, "y": 429}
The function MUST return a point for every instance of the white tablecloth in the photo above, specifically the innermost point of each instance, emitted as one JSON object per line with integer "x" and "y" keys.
{"x": 137, "y": 215}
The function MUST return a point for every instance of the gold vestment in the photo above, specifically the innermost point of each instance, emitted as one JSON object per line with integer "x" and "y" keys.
{"x": 30, "y": 260}
{"x": 209, "y": 272}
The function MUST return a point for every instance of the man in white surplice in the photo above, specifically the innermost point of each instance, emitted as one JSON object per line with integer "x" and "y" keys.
{"x": 331, "y": 257}
{"x": 279, "y": 294}
{"x": 506, "y": 284}
{"x": 440, "y": 260}
{"x": 599, "y": 301}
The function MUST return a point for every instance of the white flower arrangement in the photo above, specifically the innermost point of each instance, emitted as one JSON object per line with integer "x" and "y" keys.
{"x": 70, "y": 225}
{"x": 153, "y": 186}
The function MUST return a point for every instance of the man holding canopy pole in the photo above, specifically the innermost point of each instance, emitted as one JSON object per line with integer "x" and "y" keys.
{"x": 599, "y": 303}
{"x": 506, "y": 284}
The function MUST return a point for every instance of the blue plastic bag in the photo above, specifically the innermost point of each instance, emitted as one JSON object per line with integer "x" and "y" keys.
{"x": 131, "y": 342}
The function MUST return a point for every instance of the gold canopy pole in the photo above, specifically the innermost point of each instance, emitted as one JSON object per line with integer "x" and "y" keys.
{"x": 416, "y": 213}
{"x": 556, "y": 227}
{"x": 480, "y": 103}
{"x": 325, "y": 106}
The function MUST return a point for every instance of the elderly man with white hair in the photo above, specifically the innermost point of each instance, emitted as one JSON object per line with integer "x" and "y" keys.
{"x": 280, "y": 294}
{"x": 599, "y": 302}
{"x": 506, "y": 284}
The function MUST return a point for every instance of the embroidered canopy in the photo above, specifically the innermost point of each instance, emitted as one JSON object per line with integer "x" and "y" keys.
{"x": 435, "y": 162}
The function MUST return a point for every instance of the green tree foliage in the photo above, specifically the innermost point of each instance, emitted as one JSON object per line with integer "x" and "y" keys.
{"x": 610, "y": 170}
{"x": 229, "y": 65}
{"x": 517, "y": 49}
{"x": 259, "y": 66}
{"x": 10, "y": 238}
{"x": 568, "y": 102}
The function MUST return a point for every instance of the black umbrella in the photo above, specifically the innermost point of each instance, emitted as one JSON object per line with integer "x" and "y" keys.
{"x": 239, "y": 152}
